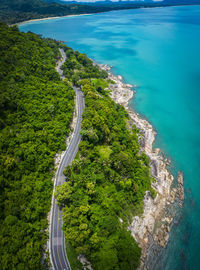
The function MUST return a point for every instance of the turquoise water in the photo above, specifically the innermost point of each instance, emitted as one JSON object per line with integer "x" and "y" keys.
{"x": 159, "y": 51}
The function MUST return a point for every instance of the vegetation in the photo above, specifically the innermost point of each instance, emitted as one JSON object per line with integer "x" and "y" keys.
{"x": 13, "y": 11}
{"x": 107, "y": 180}
{"x": 35, "y": 112}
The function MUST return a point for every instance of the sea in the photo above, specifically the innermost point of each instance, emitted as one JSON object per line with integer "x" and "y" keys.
{"x": 158, "y": 50}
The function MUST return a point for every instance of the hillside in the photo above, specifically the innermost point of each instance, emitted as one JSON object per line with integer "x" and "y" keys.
{"x": 35, "y": 113}
{"x": 20, "y": 10}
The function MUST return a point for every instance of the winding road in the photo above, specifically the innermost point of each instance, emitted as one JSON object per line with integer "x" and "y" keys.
{"x": 57, "y": 248}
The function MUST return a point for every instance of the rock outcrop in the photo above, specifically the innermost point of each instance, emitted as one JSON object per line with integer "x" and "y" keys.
{"x": 151, "y": 230}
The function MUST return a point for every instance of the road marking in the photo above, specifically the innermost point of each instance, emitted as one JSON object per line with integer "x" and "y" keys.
{"x": 57, "y": 243}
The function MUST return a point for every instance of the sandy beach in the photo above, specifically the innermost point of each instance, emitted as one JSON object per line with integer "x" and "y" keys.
{"x": 50, "y": 18}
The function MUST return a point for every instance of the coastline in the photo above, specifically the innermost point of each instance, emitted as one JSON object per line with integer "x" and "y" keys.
{"x": 151, "y": 230}
{"x": 50, "y": 18}
{"x": 84, "y": 14}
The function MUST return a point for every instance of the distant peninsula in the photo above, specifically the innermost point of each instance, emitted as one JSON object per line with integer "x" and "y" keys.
{"x": 15, "y": 11}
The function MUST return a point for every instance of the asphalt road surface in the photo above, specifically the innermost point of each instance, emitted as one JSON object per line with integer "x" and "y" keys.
{"x": 57, "y": 239}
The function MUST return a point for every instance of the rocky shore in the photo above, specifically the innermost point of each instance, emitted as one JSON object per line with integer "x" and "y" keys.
{"x": 151, "y": 230}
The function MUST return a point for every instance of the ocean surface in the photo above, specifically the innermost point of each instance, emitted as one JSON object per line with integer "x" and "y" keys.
{"x": 158, "y": 50}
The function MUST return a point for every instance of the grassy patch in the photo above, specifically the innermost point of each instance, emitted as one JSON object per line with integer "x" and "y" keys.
{"x": 100, "y": 83}
{"x": 72, "y": 257}
{"x": 104, "y": 151}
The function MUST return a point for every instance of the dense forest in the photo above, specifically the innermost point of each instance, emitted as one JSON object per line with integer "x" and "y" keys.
{"x": 107, "y": 181}
{"x": 13, "y": 11}
{"x": 35, "y": 113}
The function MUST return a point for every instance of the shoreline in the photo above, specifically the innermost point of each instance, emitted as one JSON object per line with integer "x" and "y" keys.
{"x": 77, "y": 15}
{"x": 50, "y": 18}
{"x": 152, "y": 229}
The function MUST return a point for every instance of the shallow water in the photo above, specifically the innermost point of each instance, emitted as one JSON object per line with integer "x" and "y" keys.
{"x": 158, "y": 50}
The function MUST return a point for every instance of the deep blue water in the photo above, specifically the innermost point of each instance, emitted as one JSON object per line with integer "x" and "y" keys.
{"x": 158, "y": 50}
